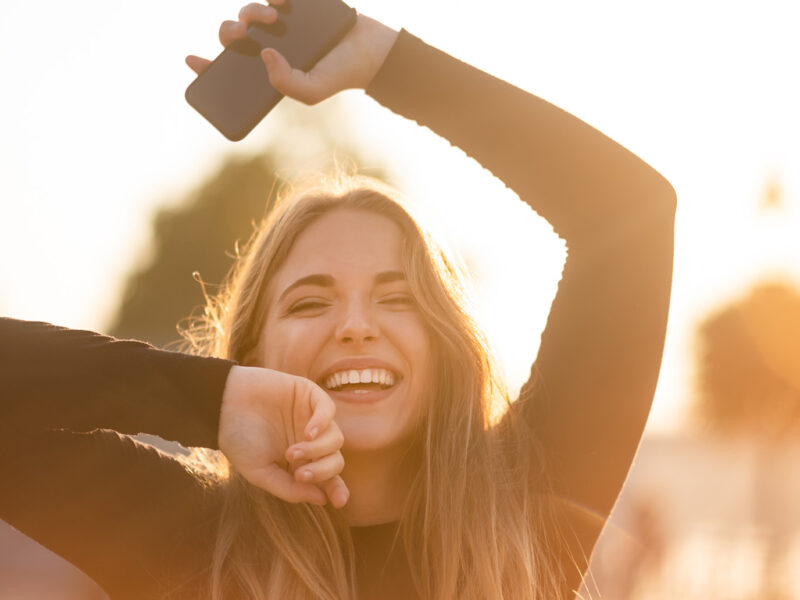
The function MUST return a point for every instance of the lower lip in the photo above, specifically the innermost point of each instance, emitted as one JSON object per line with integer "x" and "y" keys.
{"x": 362, "y": 397}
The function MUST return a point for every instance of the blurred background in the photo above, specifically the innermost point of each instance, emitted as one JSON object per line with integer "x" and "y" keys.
{"x": 113, "y": 192}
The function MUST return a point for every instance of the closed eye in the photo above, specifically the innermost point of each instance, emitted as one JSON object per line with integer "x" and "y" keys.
{"x": 400, "y": 300}
{"x": 307, "y": 306}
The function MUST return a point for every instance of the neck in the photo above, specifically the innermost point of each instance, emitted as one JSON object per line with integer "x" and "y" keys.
{"x": 379, "y": 483}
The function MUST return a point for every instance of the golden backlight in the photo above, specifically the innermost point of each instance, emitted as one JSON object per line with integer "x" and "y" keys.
{"x": 95, "y": 135}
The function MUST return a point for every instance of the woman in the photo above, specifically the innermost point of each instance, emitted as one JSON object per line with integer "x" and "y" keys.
{"x": 435, "y": 488}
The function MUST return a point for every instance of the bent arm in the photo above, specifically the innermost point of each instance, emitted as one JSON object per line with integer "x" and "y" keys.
{"x": 594, "y": 377}
{"x": 81, "y": 381}
{"x": 125, "y": 513}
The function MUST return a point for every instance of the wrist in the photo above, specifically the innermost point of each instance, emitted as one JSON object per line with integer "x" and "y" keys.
{"x": 378, "y": 42}
{"x": 232, "y": 394}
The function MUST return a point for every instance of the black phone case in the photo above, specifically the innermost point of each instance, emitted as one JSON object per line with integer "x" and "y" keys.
{"x": 234, "y": 93}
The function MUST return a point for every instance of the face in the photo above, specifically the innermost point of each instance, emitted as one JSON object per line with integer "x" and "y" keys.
{"x": 340, "y": 313}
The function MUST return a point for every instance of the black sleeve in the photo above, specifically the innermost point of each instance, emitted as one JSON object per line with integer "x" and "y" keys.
{"x": 128, "y": 515}
{"x": 594, "y": 378}
{"x": 80, "y": 380}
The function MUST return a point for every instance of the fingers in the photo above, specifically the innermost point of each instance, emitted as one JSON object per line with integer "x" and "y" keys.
{"x": 320, "y": 470}
{"x": 281, "y": 484}
{"x": 337, "y": 491}
{"x": 230, "y": 31}
{"x": 328, "y": 442}
{"x": 323, "y": 411}
{"x": 197, "y": 64}
{"x": 288, "y": 81}
{"x": 319, "y": 461}
{"x": 259, "y": 13}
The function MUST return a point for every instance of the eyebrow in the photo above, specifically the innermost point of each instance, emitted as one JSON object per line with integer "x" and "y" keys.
{"x": 324, "y": 280}
{"x": 389, "y": 277}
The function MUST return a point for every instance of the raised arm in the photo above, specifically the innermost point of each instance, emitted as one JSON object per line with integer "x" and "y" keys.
{"x": 594, "y": 378}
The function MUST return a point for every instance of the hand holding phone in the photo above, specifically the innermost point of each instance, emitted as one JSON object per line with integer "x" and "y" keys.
{"x": 234, "y": 92}
{"x": 352, "y": 64}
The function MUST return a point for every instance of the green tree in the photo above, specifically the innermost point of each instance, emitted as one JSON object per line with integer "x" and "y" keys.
{"x": 201, "y": 233}
{"x": 749, "y": 369}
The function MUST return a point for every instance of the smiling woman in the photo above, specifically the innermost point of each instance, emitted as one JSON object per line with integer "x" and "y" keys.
{"x": 342, "y": 286}
{"x": 357, "y": 314}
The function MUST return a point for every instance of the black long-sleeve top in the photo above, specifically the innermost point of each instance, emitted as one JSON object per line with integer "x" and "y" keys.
{"x": 141, "y": 525}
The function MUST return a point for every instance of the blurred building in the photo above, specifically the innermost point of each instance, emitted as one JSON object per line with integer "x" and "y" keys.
{"x": 704, "y": 519}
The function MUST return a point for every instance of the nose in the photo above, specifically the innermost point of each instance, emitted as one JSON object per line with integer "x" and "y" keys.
{"x": 357, "y": 324}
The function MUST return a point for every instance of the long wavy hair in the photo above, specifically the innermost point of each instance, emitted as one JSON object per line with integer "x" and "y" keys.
{"x": 478, "y": 520}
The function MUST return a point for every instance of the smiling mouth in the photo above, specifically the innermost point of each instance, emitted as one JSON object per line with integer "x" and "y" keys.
{"x": 361, "y": 380}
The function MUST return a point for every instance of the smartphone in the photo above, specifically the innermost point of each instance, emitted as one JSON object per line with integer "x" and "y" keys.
{"x": 234, "y": 93}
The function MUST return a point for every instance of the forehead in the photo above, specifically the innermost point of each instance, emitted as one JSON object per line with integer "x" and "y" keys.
{"x": 344, "y": 242}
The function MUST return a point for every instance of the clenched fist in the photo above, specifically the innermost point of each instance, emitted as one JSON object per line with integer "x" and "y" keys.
{"x": 278, "y": 431}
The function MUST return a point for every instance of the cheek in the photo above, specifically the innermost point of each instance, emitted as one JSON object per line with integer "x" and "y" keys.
{"x": 416, "y": 343}
{"x": 290, "y": 347}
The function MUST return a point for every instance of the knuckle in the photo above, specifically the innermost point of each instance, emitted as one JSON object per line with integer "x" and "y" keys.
{"x": 247, "y": 9}
{"x": 329, "y": 411}
{"x": 278, "y": 81}
{"x": 336, "y": 484}
{"x": 310, "y": 98}
{"x": 330, "y": 403}
{"x": 338, "y": 437}
{"x": 339, "y": 462}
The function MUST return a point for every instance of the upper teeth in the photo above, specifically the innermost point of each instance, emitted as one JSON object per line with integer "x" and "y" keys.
{"x": 340, "y": 378}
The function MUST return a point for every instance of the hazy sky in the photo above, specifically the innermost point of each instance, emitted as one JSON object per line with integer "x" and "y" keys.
{"x": 95, "y": 134}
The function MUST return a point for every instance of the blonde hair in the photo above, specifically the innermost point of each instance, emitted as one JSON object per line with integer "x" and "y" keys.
{"x": 478, "y": 523}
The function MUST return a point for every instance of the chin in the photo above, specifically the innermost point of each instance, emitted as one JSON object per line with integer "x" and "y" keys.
{"x": 368, "y": 434}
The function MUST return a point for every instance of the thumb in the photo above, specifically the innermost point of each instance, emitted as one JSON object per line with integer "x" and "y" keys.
{"x": 288, "y": 81}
